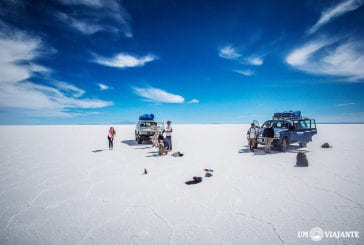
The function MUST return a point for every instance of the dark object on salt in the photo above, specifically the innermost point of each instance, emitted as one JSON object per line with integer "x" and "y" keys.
{"x": 325, "y": 145}
{"x": 301, "y": 160}
{"x": 195, "y": 180}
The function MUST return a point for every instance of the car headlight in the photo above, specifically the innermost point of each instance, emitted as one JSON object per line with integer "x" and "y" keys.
{"x": 277, "y": 135}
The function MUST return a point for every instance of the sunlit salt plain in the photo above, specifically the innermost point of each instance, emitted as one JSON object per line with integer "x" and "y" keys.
{"x": 61, "y": 185}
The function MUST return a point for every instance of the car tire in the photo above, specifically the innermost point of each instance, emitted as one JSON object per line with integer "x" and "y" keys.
{"x": 284, "y": 145}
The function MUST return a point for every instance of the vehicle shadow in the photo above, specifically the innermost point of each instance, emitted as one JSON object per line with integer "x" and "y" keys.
{"x": 274, "y": 150}
{"x": 297, "y": 149}
{"x": 129, "y": 142}
{"x": 258, "y": 151}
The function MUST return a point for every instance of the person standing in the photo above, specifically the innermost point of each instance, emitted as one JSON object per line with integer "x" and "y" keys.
{"x": 268, "y": 134}
{"x": 252, "y": 134}
{"x": 169, "y": 131}
{"x": 110, "y": 137}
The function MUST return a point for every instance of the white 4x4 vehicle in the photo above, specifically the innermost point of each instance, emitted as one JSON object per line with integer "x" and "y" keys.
{"x": 143, "y": 129}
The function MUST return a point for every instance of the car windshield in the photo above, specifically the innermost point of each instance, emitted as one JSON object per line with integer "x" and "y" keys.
{"x": 146, "y": 124}
{"x": 277, "y": 124}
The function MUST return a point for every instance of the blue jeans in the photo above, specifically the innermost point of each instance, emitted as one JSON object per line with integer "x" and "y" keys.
{"x": 169, "y": 142}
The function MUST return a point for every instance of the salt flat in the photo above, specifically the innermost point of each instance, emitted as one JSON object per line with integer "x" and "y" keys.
{"x": 61, "y": 185}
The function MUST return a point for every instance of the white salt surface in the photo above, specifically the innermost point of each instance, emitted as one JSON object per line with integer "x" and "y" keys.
{"x": 55, "y": 190}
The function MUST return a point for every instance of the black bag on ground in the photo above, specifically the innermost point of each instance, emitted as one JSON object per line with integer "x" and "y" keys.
{"x": 195, "y": 180}
{"x": 301, "y": 160}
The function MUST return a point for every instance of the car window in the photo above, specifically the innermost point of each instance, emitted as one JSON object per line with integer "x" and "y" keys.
{"x": 145, "y": 124}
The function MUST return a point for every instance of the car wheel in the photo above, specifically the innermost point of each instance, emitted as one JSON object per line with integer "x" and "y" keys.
{"x": 283, "y": 146}
{"x": 140, "y": 141}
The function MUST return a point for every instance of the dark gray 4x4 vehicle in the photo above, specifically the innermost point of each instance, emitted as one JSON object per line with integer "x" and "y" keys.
{"x": 289, "y": 128}
{"x": 143, "y": 129}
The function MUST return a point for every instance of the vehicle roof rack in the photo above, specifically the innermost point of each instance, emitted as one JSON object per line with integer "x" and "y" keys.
{"x": 290, "y": 115}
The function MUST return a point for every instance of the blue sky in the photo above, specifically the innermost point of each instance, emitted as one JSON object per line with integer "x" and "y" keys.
{"x": 106, "y": 61}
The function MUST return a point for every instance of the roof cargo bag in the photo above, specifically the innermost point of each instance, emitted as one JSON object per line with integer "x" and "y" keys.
{"x": 297, "y": 114}
{"x": 146, "y": 117}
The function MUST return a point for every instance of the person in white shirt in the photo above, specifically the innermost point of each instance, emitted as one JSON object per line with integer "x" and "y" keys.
{"x": 169, "y": 131}
{"x": 252, "y": 134}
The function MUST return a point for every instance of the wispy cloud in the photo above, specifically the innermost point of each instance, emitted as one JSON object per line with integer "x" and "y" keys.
{"x": 15, "y": 50}
{"x": 69, "y": 89}
{"x": 103, "y": 87}
{"x": 334, "y": 57}
{"x": 329, "y": 14}
{"x": 124, "y": 60}
{"x": 229, "y": 52}
{"x": 17, "y": 54}
{"x": 346, "y": 104}
{"x": 193, "y": 101}
{"x": 246, "y": 72}
{"x": 300, "y": 56}
{"x": 91, "y": 3}
{"x": 158, "y": 95}
{"x": 82, "y": 26}
{"x": 96, "y": 15}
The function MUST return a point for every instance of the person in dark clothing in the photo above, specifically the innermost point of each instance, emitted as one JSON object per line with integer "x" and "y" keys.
{"x": 268, "y": 134}
{"x": 163, "y": 145}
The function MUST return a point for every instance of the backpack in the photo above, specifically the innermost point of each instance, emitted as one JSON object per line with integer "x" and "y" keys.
{"x": 301, "y": 160}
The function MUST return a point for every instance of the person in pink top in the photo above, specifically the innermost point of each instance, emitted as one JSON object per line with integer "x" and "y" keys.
{"x": 110, "y": 137}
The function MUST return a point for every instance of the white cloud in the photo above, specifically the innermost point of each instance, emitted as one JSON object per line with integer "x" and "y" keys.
{"x": 82, "y": 26}
{"x": 91, "y": 18}
{"x": 27, "y": 95}
{"x": 16, "y": 49}
{"x": 193, "y": 101}
{"x": 17, "y": 54}
{"x": 123, "y": 60}
{"x": 301, "y": 55}
{"x": 103, "y": 86}
{"x": 69, "y": 88}
{"x": 334, "y": 12}
{"x": 229, "y": 52}
{"x": 246, "y": 72}
{"x": 254, "y": 60}
{"x": 158, "y": 95}
{"x": 343, "y": 58}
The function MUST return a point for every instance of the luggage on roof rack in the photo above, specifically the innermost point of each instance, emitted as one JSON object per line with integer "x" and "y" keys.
{"x": 287, "y": 115}
{"x": 146, "y": 117}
